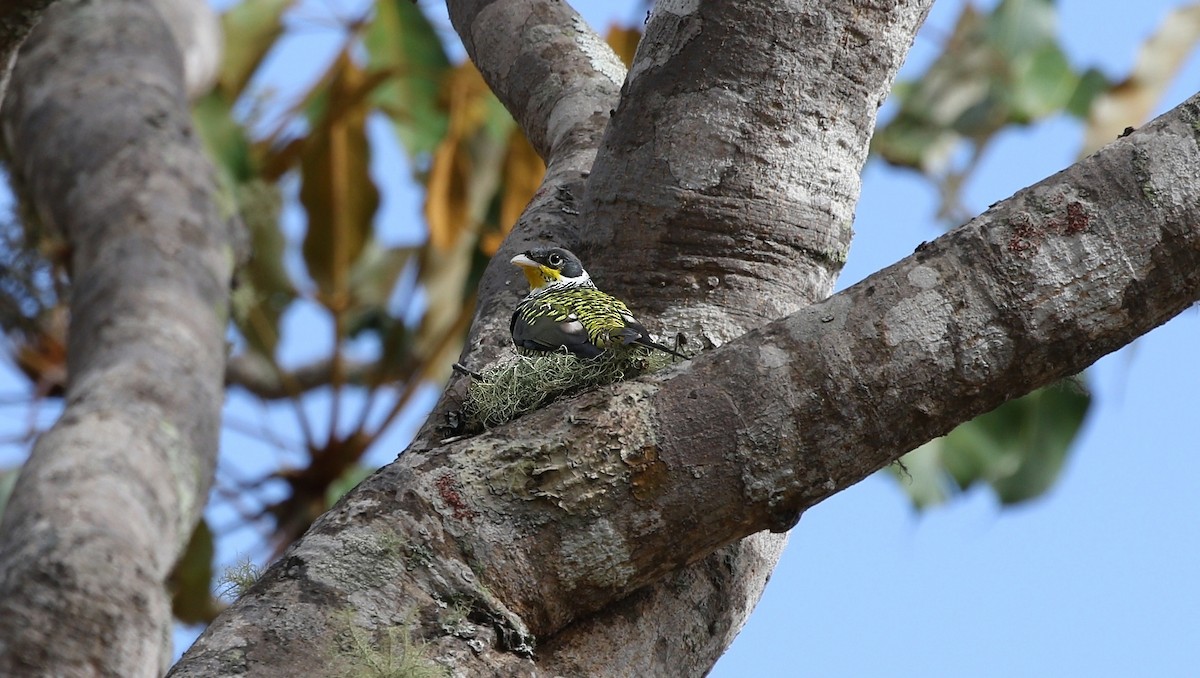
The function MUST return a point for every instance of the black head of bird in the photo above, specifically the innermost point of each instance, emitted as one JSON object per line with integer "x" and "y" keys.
{"x": 565, "y": 311}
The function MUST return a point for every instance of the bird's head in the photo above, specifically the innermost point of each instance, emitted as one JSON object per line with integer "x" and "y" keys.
{"x": 551, "y": 267}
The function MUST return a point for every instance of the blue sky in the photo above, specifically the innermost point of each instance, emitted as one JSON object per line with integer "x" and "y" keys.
{"x": 1098, "y": 578}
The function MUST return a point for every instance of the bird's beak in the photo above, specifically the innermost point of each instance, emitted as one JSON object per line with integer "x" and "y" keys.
{"x": 535, "y": 273}
{"x": 524, "y": 262}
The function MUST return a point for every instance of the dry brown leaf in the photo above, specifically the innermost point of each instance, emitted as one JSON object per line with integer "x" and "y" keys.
{"x": 1159, "y": 60}
{"x": 336, "y": 189}
{"x": 624, "y": 41}
{"x": 523, "y": 172}
{"x": 447, "y": 204}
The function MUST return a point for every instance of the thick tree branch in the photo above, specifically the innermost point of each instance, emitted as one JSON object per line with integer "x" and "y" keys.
{"x": 726, "y": 587}
{"x": 17, "y": 19}
{"x": 510, "y": 42}
{"x": 701, "y": 208}
{"x": 99, "y": 131}
{"x": 714, "y": 596}
{"x": 546, "y": 65}
{"x": 738, "y": 197}
{"x": 605, "y": 486}
{"x": 270, "y": 382}
{"x": 1037, "y": 288}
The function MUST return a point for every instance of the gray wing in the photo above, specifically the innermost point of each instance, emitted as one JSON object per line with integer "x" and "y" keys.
{"x": 544, "y": 333}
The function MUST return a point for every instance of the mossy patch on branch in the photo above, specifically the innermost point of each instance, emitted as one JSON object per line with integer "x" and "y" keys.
{"x": 523, "y": 383}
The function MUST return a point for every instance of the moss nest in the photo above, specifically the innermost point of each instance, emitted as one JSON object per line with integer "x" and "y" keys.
{"x": 523, "y": 383}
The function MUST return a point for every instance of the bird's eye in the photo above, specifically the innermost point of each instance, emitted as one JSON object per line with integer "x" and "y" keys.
{"x": 555, "y": 260}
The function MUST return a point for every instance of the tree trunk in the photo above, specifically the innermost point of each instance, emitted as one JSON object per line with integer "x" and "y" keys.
{"x": 99, "y": 135}
{"x": 619, "y": 532}
{"x": 571, "y": 542}
{"x": 17, "y": 18}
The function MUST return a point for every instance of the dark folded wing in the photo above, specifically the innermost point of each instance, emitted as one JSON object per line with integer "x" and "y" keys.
{"x": 545, "y": 333}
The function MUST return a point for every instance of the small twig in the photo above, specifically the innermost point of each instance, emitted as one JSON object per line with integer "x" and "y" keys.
{"x": 462, "y": 369}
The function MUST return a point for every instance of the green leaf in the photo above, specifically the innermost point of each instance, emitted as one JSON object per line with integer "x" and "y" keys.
{"x": 1040, "y": 429}
{"x": 403, "y": 43}
{"x": 372, "y": 283}
{"x": 1018, "y": 27}
{"x": 264, "y": 289}
{"x": 910, "y": 141}
{"x": 1092, "y": 84}
{"x": 223, "y": 137}
{"x": 1042, "y": 84}
{"x": 192, "y": 601}
{"x": 922, "y": 475}
{"x": 997, "y": 69}
{"x": 250, "y": 29}
{"x": 1018, "y": 449}
{"x": 353, "y": 475}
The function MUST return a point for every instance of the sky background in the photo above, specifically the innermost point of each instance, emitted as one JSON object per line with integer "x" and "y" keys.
{"x": 1098, "y": 578}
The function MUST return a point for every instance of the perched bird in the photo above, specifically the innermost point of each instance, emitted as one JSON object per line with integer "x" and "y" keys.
{"x": 565, "y": 310}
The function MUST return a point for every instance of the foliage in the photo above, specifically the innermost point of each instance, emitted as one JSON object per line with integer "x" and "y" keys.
{"x": 1017, "y": 449}
{"x": 297, "y": 169}
{"x": 192, "y": 601}
{"x": 1006, "y": 67}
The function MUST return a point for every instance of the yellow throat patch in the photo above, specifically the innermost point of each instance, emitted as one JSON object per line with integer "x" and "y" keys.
{"x": 538, "y": 276}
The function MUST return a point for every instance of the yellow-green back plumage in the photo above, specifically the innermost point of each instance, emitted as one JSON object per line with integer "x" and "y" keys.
{"x": 565, "y": 310}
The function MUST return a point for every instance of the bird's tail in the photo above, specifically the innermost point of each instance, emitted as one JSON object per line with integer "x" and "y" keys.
{"x": 649, "y": 343}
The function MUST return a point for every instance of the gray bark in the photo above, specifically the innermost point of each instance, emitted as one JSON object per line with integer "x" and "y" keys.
{"x": 543, "y": 522}
{"x": 576, "y": 527}
{"x": 99, "y": 133}
{"x": 17, "y": 18}
{"x": 571, "y": 525}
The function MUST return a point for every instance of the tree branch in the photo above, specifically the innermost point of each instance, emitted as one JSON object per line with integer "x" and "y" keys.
{"x": 523, "y": 59}
{"x": 701, "y": 207}
{"x": 1038, "y": 288}
{"x": 560, "y": 81}
{"x": 100, "y": 133}
{"x": 548, "y": 68}
{"x": 605, "y": 486}
{"x": 17, "y": 18}
{"x": 268, "y": 381}
{"x": 584, "y": 91}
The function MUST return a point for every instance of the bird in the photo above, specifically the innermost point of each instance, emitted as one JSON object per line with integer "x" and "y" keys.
{"x": 565, "y": 310}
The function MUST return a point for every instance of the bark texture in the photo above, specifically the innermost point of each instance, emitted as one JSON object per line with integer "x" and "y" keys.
{"x": 105, "y": 150}
{"x": 570, "y": 525}
{"x": 683, "y": 625}
{"x": 699, "y": 208}
{"x": 17, "y": 18}
{"x": 571, "y": 508}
